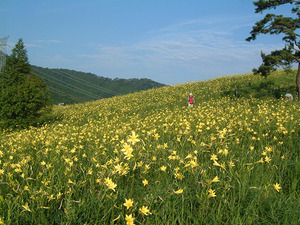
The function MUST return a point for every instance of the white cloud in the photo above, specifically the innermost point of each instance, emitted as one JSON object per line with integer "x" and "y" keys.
{"x": 30, "y": 45}
{"x": 53, "y": 41}
{"x": 41, "y": 43}
{"x": 193, "y": 47}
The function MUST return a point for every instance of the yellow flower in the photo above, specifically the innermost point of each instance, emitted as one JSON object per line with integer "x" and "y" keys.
{"x": 127, "y": 150}
{"x": 179, "y": 175}
{"x": 1, "y": 171}
{"x": 90, "y": 172}
{"x": 145, "y": 210}
{"x": 216, "y": 179}
{"x": 193, "y": 163}
{"x": 145, "y": 182}
{"x": 51, "y": 197}
{"x": 269, "y": 149}
{"x": 48, "y": 166}
{"x": 211, "y": 193}
{"x": 133, "y": 138}
{"x": 261, "y": 160}
{"x": 70, "y": 181}
{"x": 129, "y": 219}
{"x": 128, "y": 203}
{"x": 231, "y": 164}
{"x": 225, "y": 152}
{"x": 122, "y": 169}
{"x": 277, "y": 187}
{"x": 267, "y": 159}
{"x": 178, "y": 191}
{"x": 214, "y": 157}
{"x": 110, "y": 184}
{"x": 222, "y": 165}
{"x": 1, "y": 220}
{"x": 163, "y": 168}
{"x": 26, "y": 207}
{"x": 189, "y": 156}
{"x": 59, "y": 195}
{"x": 216, "y": 163}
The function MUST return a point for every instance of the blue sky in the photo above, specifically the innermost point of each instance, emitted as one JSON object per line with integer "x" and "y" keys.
{"x": 168, "y": 41}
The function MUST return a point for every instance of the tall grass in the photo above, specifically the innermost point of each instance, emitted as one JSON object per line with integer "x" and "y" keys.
{"x": 225, "y": 161}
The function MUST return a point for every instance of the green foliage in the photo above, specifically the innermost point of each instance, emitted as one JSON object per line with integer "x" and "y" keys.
{"x": 24, "y": 96}
{"x": 283, "y": 58}
{"x": 274, "y": 86}
{"x": 16, "y": 63}
{"x": 285, "y": 26}
{"x": 69, "y": 86}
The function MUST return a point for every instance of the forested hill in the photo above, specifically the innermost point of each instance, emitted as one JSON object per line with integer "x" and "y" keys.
{"x": 69, "y": 86}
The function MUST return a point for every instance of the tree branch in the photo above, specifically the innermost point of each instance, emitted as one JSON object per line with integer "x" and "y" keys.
{"x": 262, "y": 5}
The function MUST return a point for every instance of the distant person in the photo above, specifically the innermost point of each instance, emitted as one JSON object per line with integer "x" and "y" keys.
{"x": 289, "y": 96}
{"x": 236, "y": 93}
{"x": 191, "y": 101}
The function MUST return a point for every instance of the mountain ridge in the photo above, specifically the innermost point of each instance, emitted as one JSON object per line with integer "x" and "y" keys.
{"x": 70, "y": 86}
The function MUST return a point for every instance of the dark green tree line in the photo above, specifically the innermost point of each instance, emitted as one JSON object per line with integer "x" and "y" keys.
{"x": 279, "y": 24}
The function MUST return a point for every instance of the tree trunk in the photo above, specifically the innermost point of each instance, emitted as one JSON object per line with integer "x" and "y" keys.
{"x": 298, "y": 82}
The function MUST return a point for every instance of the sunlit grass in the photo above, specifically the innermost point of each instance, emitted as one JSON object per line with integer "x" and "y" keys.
{"x": 146, "y": 158}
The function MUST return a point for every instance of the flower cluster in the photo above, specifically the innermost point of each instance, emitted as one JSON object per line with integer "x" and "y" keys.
{"x": 131, "y": 160}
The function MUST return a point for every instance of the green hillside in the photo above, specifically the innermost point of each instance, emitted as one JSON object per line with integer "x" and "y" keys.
{"x": 275, "y": 86}
{"x": 121, "y": 160}
{"x": 69, "y": 86}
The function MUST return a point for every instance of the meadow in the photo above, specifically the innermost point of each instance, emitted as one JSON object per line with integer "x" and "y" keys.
{"x": 145, "y": 158}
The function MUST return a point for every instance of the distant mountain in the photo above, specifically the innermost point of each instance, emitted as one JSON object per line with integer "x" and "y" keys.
{"x": 70, "y": 86}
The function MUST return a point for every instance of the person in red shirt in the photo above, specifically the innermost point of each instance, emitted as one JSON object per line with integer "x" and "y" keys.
{"x": 191, "y": 101}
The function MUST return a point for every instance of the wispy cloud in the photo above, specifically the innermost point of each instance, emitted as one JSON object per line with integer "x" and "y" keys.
{"x": 194, "y": 47}
{"x": 53, "y": 41}
{"x": 42, "y": 43}
{"x": 30, "y": 45}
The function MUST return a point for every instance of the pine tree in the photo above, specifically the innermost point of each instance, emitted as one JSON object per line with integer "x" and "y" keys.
{"x": 24, "y": 97}
{"x": 278, "y": 24}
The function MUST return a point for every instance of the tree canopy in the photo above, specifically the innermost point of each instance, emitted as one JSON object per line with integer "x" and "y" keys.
{"x": 287, "y": 26}
{"x": 23, "y": 95}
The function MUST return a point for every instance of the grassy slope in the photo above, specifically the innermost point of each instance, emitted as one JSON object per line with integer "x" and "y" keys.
{"x": 59, "y": 173}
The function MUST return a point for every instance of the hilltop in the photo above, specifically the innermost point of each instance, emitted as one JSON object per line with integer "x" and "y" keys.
{"x": 146, "y": 158}
{"x": 70, "y": 86}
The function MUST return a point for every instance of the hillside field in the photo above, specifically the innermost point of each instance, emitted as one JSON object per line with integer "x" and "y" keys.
{"x": 146, "y": 158}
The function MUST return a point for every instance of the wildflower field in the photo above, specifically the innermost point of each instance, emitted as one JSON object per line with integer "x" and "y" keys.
{"x": 145, "y": 158}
